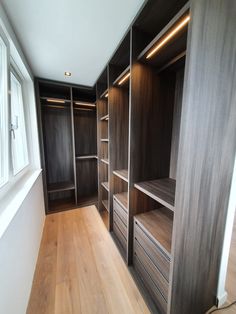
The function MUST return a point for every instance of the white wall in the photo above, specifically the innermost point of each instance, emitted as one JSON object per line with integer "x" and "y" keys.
{"x": 21, "y": 205}
{"x": 221, "y": 292}
{"x": 19, "y": 247}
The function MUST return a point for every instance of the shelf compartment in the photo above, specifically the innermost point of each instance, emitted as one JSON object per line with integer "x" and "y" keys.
{"x": 161, "y": 190}
{"x": 158, "y": 225}
{"x": 105, "y": 161}
{"x": 86, "y": 157}
{"x": 52, "y": 100}
{"x": 123, "y": 174}
{"x": 105, "y": 185}
{"x": 105, "y": 118}
{"x": 105, "y": 204}
{"x": 104, "y": 94}
{"x": 59, "y": 187}
{"x": 122, "y": 199}
{"x": 118, "y": 80}
{"x": 172, "y": 41}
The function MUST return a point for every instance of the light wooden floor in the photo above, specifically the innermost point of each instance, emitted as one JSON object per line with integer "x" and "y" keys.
{"x": 80, "y": 270}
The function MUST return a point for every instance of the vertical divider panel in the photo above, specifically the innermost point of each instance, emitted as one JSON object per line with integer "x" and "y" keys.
{"x": 42, "y": 153}
{"x": 73, "y": 142}
{"x": 150, "y": 133}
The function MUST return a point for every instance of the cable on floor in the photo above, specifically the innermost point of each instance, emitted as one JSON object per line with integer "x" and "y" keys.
{"x": 223, "y": 308}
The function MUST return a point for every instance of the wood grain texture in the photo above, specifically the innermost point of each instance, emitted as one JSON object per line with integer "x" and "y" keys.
{"x": 122, "y": 199}
{"x": 161, "y": 190}
{"x": 158, "y": 225}
{"x": 118, "y": 132}
{"x": 85, "y": 132}
{"x": 86, "y": 173}
{"x": 123, "y": 174}
{"x": 80, "y": 270}
{"x": 206, "y": 155}
{"x": 176, "y": 123}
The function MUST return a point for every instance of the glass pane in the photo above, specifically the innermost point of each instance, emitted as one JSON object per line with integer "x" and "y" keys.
{"x": 3, "y": 115}
{"x": 19, "y": 142}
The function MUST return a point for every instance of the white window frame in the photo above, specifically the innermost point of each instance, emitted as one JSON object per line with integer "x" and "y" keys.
{"x": 18, "y": 76}
{"x": 5, "y": 129}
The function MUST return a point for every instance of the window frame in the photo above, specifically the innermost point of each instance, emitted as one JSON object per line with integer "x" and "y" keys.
{"x": 19, "y": 77}
{"x": 6, "y": 143}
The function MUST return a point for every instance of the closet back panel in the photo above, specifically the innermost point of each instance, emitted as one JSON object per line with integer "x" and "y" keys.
{"x": 176, "y": 123}
{"x": 87, "y": 184}
{"x": 85, "y": 132}
{"x": 151, "y": 123}
{"x": 58, "y": 145}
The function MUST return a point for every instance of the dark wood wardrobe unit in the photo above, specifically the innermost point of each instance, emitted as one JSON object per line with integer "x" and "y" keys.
{"x": 167, "y": 143}
{"x": 67, "y": 120}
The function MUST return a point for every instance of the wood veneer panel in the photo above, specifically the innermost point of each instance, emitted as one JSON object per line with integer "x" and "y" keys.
{"x": 85, "y": 132}
{"x": 105, "y": 185}
{"x": 58, "y": 145}
{"x": 161, "y": 190}
{"x": 122, "y": 199}
{"x": 86, "y": 172}
{"x": 158, "y": 225}
{"x": 176, "y": 123}
{"x": 206, "y": 155}
{"x": 123, "y": 174}
{"x": 118, "y": 133}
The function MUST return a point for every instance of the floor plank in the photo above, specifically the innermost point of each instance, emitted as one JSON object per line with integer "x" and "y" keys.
{"x": 80, "y": 270}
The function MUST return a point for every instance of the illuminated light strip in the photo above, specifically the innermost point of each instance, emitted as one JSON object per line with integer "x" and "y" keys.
{"x": 168, "y": 37}
{"x": 85, "y": 104}
{"x": 124, "y": 79}
{"x": 54, "y": 100}
{"x": 53, "y": 106}
{"x": 106, "y": 95}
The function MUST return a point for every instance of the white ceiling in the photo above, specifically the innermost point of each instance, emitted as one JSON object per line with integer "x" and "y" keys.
{"x": 78, "y": 36}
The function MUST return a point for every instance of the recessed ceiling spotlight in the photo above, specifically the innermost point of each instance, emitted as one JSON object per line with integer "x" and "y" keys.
{"x": 67, "y": 73}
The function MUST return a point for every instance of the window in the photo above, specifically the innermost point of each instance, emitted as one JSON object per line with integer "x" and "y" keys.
{"x": 18, "y": 132}
{"x": 4, "y": 165}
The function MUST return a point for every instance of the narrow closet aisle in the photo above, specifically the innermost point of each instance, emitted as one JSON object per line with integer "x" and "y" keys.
{"x": 80, "y": 270}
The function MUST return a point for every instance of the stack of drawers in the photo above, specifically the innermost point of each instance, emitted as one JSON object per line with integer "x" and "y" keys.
{"x": 152, "y": 263}
{"x": 120, "y": 220}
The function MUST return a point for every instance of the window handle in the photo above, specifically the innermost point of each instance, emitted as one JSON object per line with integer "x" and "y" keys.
{"x": 14, "y": 126}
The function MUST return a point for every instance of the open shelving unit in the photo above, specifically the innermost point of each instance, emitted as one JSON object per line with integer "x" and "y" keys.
{"x": 67, "y": 120}
{"x": 161, "y": 190}
{"x": 123, "y": 174}
{"x": 103, "y": 147}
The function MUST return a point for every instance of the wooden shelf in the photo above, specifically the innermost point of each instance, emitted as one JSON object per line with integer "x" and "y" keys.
{"x": 105, "y": 118}
{"x": 122, "y": 199}
{"x": 123, "y": 174}
{"x": 103, "y": 95}
{"x": 122, "y": 75}
{"x": 86, "y": 157}
{"x": 57, "y": 100}
{"x": 105, "y": 160}
{"x": 104, "y": 140}
{"x": 158, "y": 225}
{"x": 105, "y": 185}
{"x": 105, "y": 204}
{"x": 173, "y": 22}
{"x": 161, "y": 190}
{"x": 62, "y": 186}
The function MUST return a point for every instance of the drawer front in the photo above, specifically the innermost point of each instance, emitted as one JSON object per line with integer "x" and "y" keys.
{"x": 152, "y": 270}
{"x": 157, "y": 256}
{"x": 120, "y": 237}
{"x": 149, "y": 284}
{"x": 120, "y": 224}
{"x": 120, "y": 212}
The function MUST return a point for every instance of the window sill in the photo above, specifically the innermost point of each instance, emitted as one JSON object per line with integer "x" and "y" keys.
{"x": 13, "y": 200}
